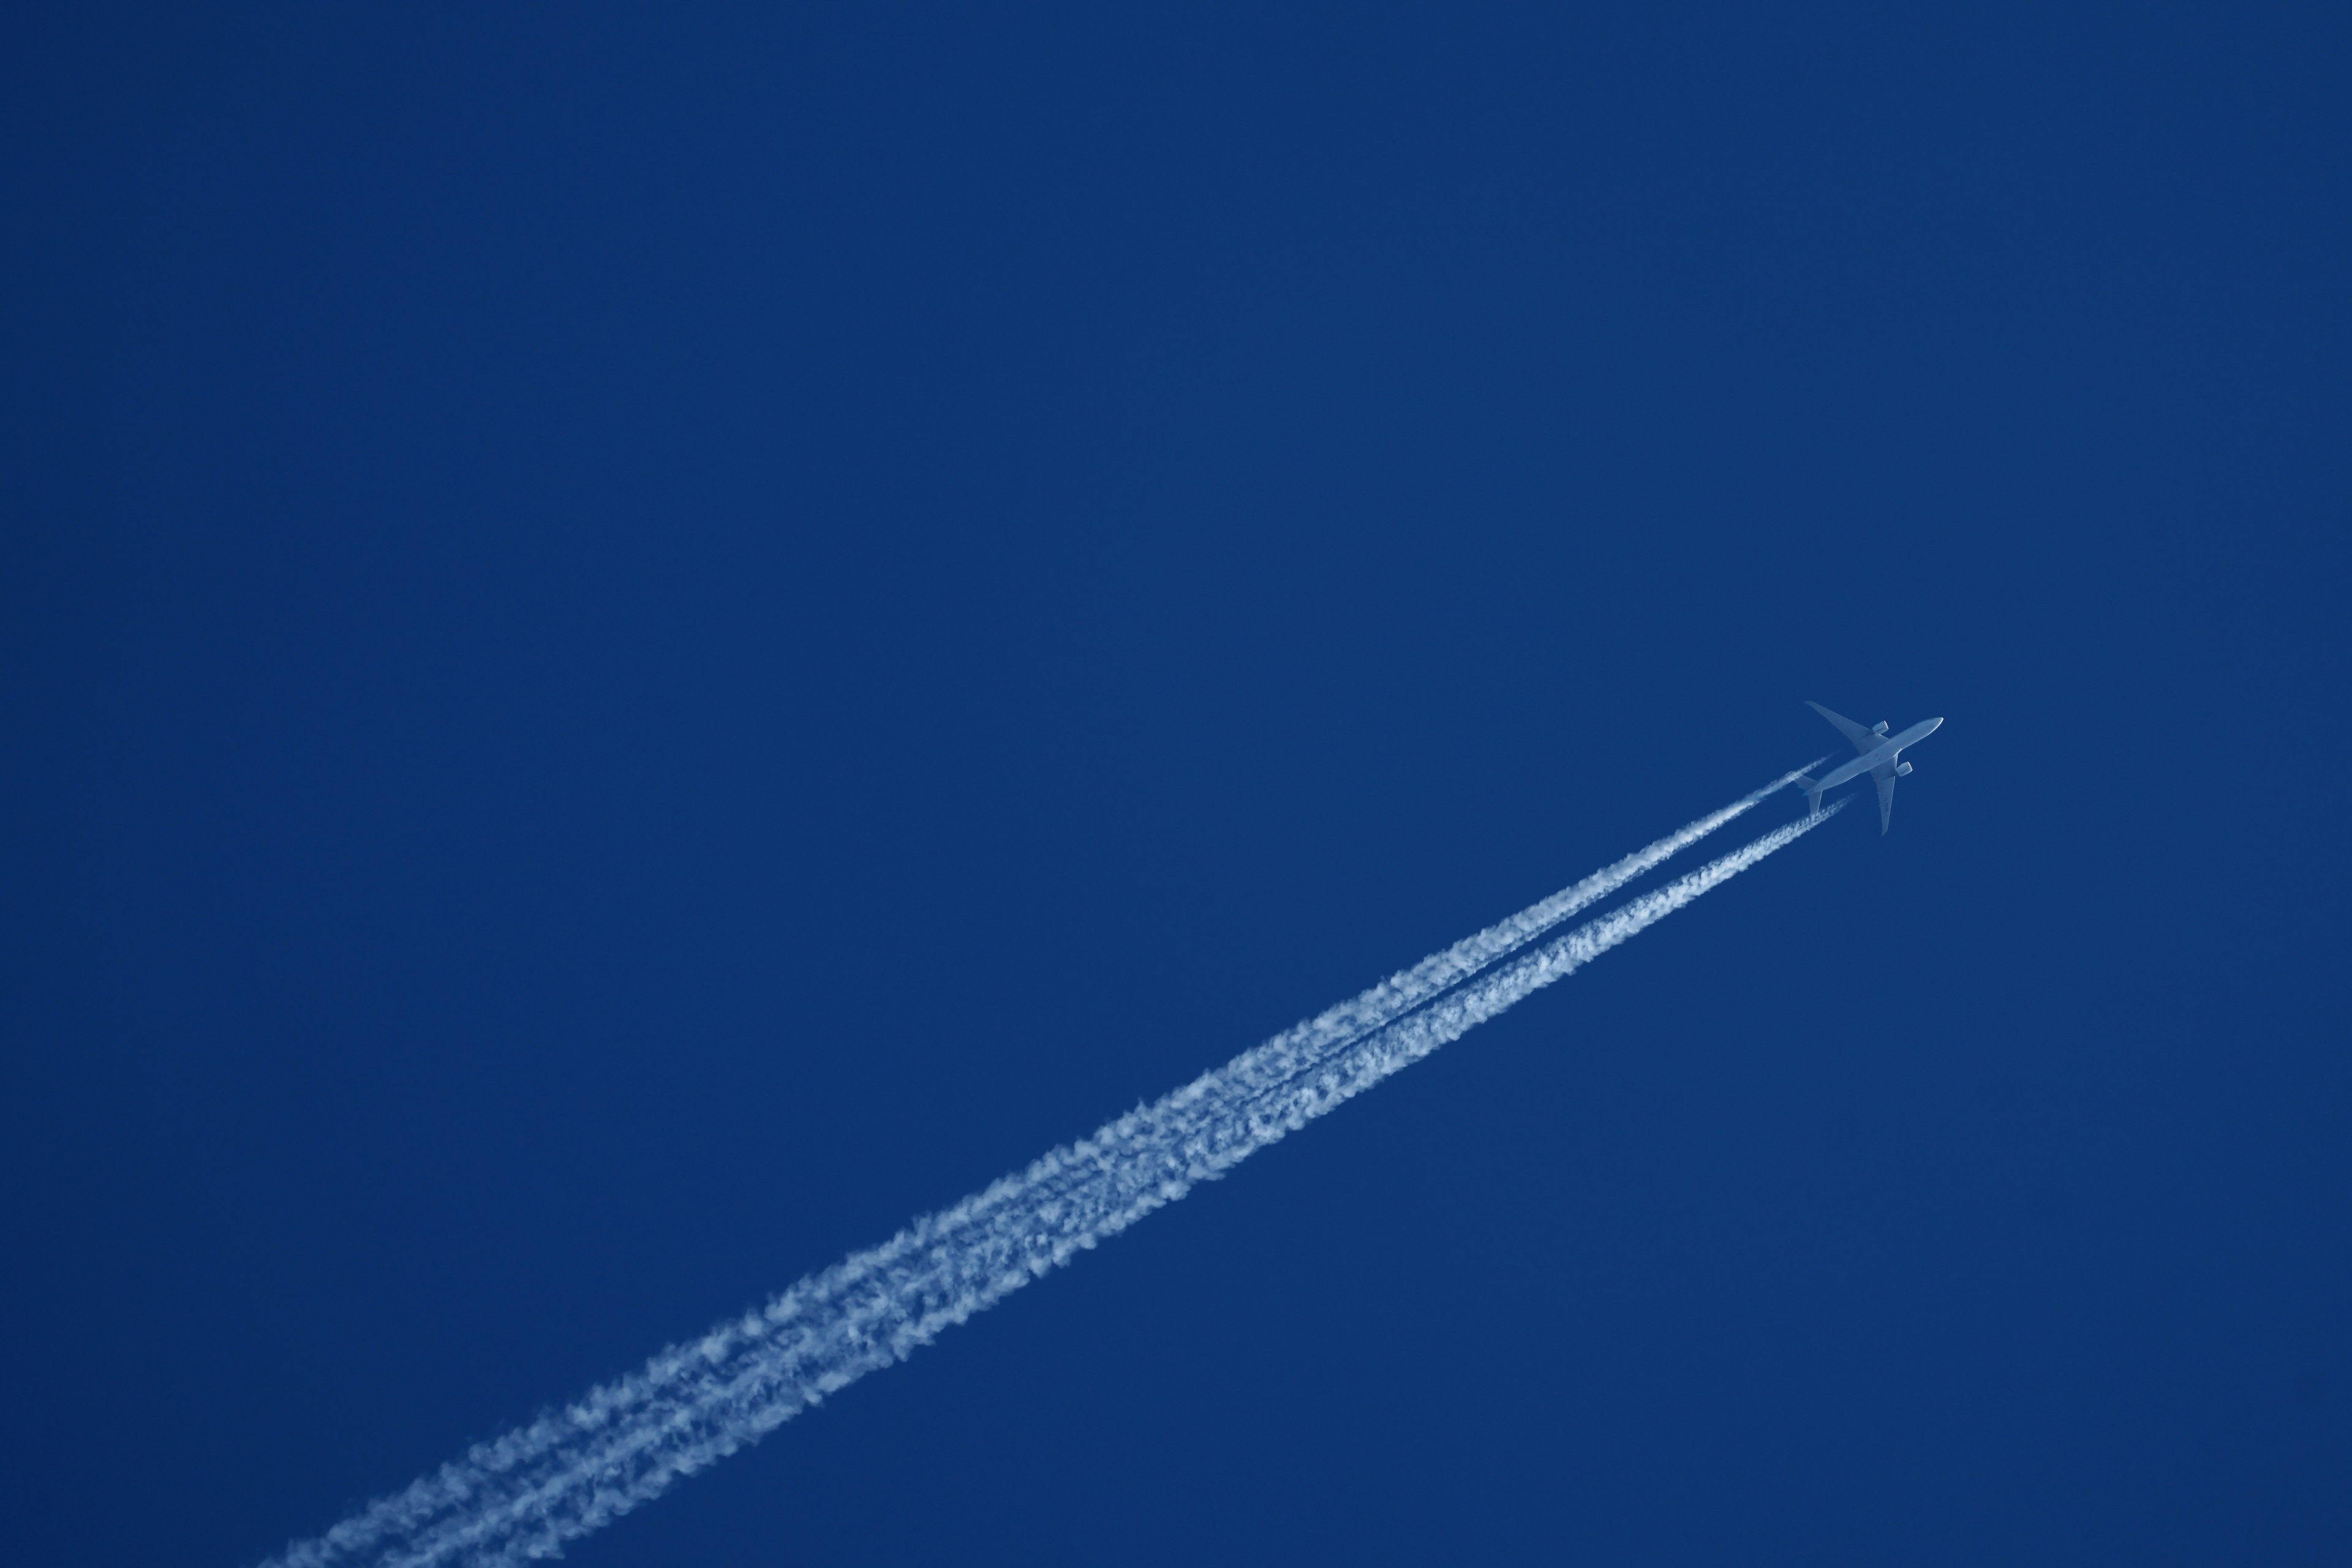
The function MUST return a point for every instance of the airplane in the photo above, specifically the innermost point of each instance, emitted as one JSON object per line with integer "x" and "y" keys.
{"x": 1880, "y": 758}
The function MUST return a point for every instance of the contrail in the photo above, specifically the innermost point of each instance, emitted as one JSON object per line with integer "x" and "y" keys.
{"x": 1269, "y": 1065}
{"x": 519, "y": 1497}
{"x": 1300, "y": 1045}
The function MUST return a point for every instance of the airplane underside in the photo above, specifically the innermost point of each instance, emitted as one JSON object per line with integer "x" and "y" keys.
{"x": 1871, "y": 744}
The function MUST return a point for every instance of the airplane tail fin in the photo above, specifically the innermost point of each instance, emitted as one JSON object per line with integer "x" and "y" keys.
{"x": 1812, "y": 794}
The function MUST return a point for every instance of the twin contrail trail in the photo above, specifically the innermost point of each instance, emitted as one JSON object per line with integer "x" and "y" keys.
{"x": 519, "y": 1497}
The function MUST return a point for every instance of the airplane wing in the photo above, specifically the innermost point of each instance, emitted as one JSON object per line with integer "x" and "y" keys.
{"x": 1863, "y": 740}
{"x": 1884, "y": 773}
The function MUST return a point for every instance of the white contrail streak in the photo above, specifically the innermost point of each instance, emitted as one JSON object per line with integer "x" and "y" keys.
{"x": 519, "y": 1497}
{"x": 1302, "y": 1045}
{"x": 1275, "y": 1062}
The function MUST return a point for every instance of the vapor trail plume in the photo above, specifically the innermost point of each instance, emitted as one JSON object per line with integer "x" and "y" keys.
{"x": 519, "y": 1497}
{"x": 1299, "y": 1046}
{"x": 1269, "y": 1065}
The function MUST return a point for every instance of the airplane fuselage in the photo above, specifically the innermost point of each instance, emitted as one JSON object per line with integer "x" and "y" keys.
{"x": 1886, "y": 753}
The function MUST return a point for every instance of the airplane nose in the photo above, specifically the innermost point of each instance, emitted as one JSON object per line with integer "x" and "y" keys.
{"x": 1934, "y": 725}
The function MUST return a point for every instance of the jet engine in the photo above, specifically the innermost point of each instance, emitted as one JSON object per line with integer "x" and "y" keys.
{"x": 1902, "y": 770}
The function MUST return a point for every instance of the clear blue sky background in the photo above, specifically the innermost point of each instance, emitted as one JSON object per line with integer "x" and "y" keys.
{"x": 635, "y": 645}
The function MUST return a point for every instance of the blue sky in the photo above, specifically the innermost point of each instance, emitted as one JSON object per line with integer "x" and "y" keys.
{"x": 635, "y": 647}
